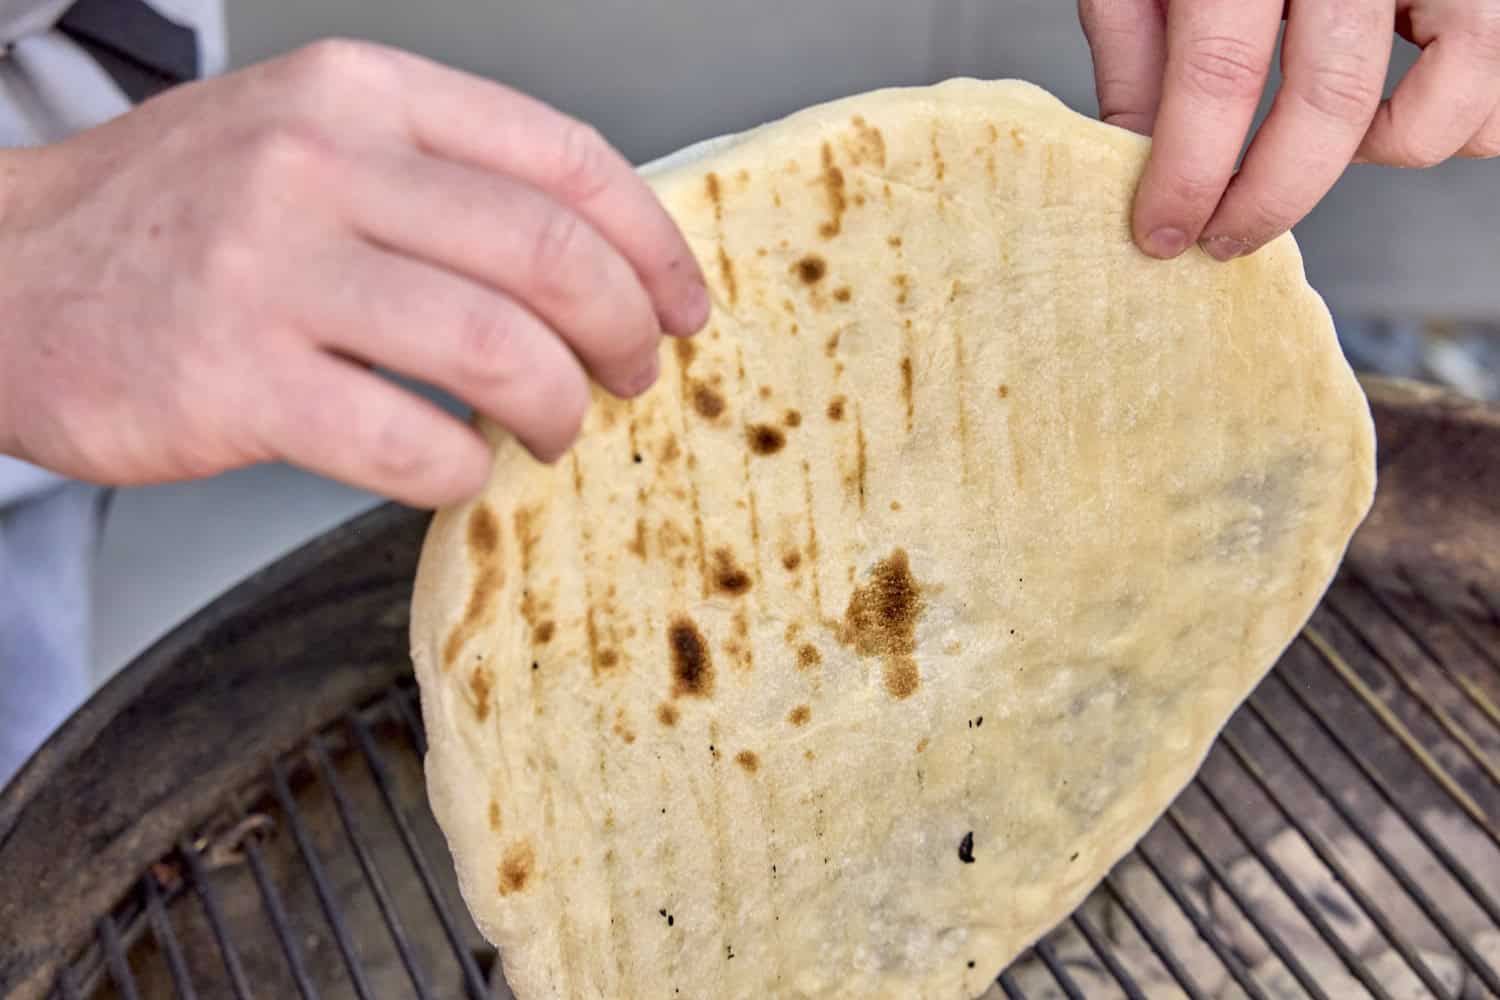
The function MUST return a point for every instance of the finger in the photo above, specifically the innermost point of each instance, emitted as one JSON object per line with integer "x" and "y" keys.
{"x": 481, "y": 123}
{"x": 1218, "y": 57}
{"x": 515, "y": 239}
{"x": 1486, "y": 142}
{"x": 334, "y": 418}
{"x": 1334, "y": 61}
{"x": 454, "y": 333}
{"x": 1128, "y": 42}
{"x": 1441, "y": 103}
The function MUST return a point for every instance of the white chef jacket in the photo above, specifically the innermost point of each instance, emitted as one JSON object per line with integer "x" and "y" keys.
{"x": 50, "y": 87}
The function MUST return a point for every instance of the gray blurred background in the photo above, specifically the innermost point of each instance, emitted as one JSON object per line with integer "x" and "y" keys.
{"x": 1409, "y": 262}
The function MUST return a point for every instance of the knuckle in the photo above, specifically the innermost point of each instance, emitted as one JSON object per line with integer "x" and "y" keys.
{"x": 582, "y": 161}
{"x": 1416, "y": 152}
{"x": 1223, "y": 68}
{"x": 335, "y": 62}
{"x": 560, "y": 241}
{"x": 394, "y": 452}
{"x": 1344, "y": 93}
{"x": 486, "y": 344}
{"x": 287, "y": 151}
{"x": 1485, "y": 146}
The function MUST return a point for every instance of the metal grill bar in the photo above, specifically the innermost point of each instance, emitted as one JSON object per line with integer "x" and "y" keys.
{"x": 1397, "y": 871}
{"x": 1272, "y": 939}
{"x": 114, "y": 954}
{"x": 1290, "y": 890}
{"x": 372, "y": 874}
{"x": 1444, "y": 857}
{"x": 1476, "y": 695}
{"x": 166, "y": 938}
{"x": 1393, "y": 725}
{"x": 276, "y": 913}
{"x": 326, "y": 902}
{"x": 473, "y": 981}
{"x": 1434, "y": 711}
{"x": 1491, "y": 604}
{"x": 215, "y": 920}
{"x": 67, "y": 988}
{"x": 1106, "y": 954}
{"x": 1070, "y": 989}
{"x": 1009, "y": 986}
{"x": 1378, "y": 708}
{"x": 1159, "y": 948}
{"x": 1341, "y": 874}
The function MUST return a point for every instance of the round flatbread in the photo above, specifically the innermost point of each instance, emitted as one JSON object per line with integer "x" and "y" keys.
{"x": 848, "y": 659}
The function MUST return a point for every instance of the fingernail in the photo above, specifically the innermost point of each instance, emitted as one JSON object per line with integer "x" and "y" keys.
{"x": 1166, "y": 242}
{"x": 1225, "y": 248}
{"x": 645, "y": 378}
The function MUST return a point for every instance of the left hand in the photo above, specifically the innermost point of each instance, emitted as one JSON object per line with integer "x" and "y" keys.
{"x": 1191, "y": 73}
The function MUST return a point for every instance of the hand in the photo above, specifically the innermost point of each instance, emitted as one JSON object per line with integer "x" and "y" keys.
{"x": 1191, "y": 73}
{"x": 204, "y": 282}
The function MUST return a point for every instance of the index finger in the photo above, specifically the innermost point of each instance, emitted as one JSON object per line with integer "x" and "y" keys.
{"x": 1218, "y": 57}
{"x": 484, "y": 124}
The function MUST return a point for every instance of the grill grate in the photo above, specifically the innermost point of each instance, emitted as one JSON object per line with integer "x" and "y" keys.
{"x": 1341, "y": 840}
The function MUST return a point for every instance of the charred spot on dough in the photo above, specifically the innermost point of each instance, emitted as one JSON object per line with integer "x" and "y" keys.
{"x": 765, "y": 392}
{"x": 896, "y": 506}
{"x": 811, "y": 269}
{"x": 609, "y": 659}
{"x": 728, "y": 577}
{"x": 666, "y": 714}
{"x": 906, "y": 391}
{"x": 868, "y": 142}
{"x": 480, "y": 683}
{"x": 799, "y": 715}
{"x": 791, "y": 560}
{"x": 494, "y": 815}
{"x": 966, "y": 848}
{"x": 748, "y": 760}
{"x": 843, "y": 294}
{"x": 671, "y": 451}
{"x": 686, "y": 352}
{"x": 939, "y": 167}
{"x": 637, "y": 545}
{"x": 922, "y": 744}
{"x": 836, "y": 408}
{"x": 765, "y": 439}
{"x": 715, "y": 194}
{"x": 881, "y": 620}
{"x": 484, "y": 533}
{"x": 544, "y": 632}
{"x": 476, "y": 612}
{"x": 833, "y": 189}
{"x": 894, "y": 242}
{"x": 692, "y": 669}
{"x": 808, "y": 656}
{"x": 726, "y": 272}
{"x": 792, "y": 418}
{"x": 622, "y": 727}
{"x": 1004, "y": 391}
{"x": 903, "y": 288}
{"x": 707, "y": 401}
{"x": 516, "y": 867}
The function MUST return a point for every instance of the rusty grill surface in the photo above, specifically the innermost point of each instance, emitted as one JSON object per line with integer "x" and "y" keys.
{"x": 1340, "y": 841}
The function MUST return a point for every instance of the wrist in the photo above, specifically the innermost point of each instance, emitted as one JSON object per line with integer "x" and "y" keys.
{"x": 13, "y": 168}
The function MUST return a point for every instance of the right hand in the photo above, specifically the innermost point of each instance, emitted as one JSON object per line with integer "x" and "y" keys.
{"x": 203, "y": 282}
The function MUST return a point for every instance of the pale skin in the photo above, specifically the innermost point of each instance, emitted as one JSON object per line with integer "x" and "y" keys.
{"x": 204, "y": 282}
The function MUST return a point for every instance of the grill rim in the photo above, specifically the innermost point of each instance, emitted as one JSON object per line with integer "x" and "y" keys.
{"x": 367, "y": 563}
{"x": 213, "y": 656}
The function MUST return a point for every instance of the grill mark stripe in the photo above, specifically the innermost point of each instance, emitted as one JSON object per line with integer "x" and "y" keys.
{"x": 813, "y": 567}
{"x": 689, "y": 472}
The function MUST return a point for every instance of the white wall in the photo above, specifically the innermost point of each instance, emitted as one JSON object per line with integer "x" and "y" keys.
{"x": 657, "y": 74}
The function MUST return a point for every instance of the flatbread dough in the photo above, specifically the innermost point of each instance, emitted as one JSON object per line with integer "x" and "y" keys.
{"x": 848, "y": 659}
